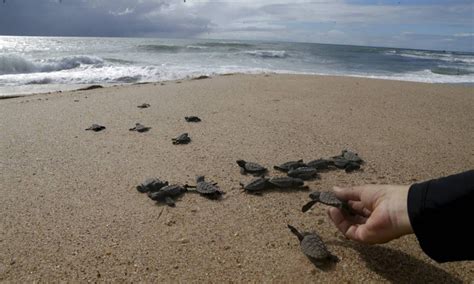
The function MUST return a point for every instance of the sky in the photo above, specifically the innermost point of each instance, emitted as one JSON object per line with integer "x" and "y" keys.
{"x": 421, "y": 24}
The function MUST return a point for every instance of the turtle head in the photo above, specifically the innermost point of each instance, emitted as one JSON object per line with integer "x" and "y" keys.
{"x": 200, "y": 179}
{"x": 241, "y": 163}
{"x": 315, "y": 195}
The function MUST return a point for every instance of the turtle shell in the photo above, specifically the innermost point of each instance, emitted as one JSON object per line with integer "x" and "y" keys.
{"x": 313, "y": 246}
{"x": 167, "y": 191}
{"x": 151, "y": 184}
{"x": 257, "y": 184}
{"x": 254, "y": 167}
{"x": 96, "y": 127}
{"x": 205, "y": 187}
{"x": 182, "y": 139}
{"x": 286, "y": 182}
{"x": 351, "y": 156}
{"x": 285, "y": 167}
{"x": 340, "y": 162}
{"x": 329, "y": 198}
{"x": 303, "y": 172}
{"x": 320, "y": 164}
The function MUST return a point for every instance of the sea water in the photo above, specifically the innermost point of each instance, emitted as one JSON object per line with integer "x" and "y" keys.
{"x": 40, "y": 64}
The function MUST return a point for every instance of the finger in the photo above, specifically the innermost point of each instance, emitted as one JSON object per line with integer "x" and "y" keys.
{"x": 340, "y": 220}
{"x": 348, "y": 193}
{"x": 361, "y": 233}
{"x": 359, "y": 208}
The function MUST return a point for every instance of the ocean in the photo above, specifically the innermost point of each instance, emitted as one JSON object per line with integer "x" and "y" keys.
{"x": 42, "y": 64}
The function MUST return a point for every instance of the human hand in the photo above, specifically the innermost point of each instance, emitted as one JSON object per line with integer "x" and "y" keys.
{"x": 381, "y": 213}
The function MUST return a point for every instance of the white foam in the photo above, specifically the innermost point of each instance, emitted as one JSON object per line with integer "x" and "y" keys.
{"x": 268, "y": 53}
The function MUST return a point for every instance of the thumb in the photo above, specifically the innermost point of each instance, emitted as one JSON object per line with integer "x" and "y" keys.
{"x": 348, "y": 193}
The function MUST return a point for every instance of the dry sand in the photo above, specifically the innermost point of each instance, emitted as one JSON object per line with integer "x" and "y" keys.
{"x": 70, "y": 211}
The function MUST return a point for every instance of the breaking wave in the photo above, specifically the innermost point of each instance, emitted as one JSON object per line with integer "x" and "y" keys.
{"x": 15, "y": 64}
{"x": 268, "y": 53}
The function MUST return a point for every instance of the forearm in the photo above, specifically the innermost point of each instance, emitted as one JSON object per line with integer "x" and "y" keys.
{"x": 441, "y": 214}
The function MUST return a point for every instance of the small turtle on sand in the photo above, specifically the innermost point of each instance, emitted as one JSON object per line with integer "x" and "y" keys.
{"x": 192, "y": 119}
{"x": 313, "y": 247}
{"x": 140, "y": 128}
{"x": 256, "y": 185}
{"x": 304, "y": 173}
{"x": 351, "y": 156}
{"x": 151, "y": 185}
{"x": 285, "y": 167}
{"x": 182, "y": 139}
{"x": 251, "y": 168}
{"x": 328, "y": 198}
{"x": 166, "y": 194}
{"x": 210, "y": 190}
{"x": 286, "y": 182}
{"x": 321, "y": 164}
{"x": 96, "y": 127}
{"x": 144, "y": 105}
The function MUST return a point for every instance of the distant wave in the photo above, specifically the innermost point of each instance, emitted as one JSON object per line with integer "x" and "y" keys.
{"x": 14, "y": 64}
{"x": 443, "y": 56}
{"x": 451, "y": 71}
{"x": 268, "y": 53}
{"x": 160, "y": 47}
{"x": 224, "y": 44}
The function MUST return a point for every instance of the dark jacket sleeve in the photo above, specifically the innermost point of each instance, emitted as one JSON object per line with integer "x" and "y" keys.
{"x": 441, "y": 214}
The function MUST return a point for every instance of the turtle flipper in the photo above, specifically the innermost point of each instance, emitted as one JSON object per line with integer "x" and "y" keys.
{"x": 169, "y": 201}
{"x": 308, "y": 205}
{"x": 243, "y": 171}
{"x": 295, "y": 231}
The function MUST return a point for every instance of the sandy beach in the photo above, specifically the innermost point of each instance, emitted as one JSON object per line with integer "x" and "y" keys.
{"x": 70, "y": 211}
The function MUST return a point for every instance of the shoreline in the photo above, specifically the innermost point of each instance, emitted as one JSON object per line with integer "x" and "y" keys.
{"x": 10, "y": 96}
{"x": 71, "y": 212}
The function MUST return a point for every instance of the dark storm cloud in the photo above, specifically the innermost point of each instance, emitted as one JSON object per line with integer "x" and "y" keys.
{"x": 97, "y": 18}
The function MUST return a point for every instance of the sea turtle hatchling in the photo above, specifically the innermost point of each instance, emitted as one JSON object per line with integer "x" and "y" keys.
{"x": 351, "y": 156}
{"x": 167, "y": 193}
{"x": 96, "y": 127}
{"x": 327, "y": 198}
{"x": 286, "y": 182}
{"x": 304, "y": 173}
{"x": 313, "y": 247}
{"x": 207, "y": 189}
{"x": 251, "y": 168}
{"x": 151, "y": 185}
{"x": 285, "y": 167}
{"x": 192, "y": 119}
{"x": 182, "y": 139}
{"x": 321, "y": 164}
{"x": 140, "y": 128}
{"x": 256, "y": 185}
{"x": 144, "y": 105}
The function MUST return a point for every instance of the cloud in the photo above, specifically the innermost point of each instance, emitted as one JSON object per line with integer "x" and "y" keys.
{"x": 356, "y": 21}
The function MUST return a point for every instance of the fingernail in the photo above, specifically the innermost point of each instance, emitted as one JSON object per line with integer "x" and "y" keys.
{"x": 337, "y": 188}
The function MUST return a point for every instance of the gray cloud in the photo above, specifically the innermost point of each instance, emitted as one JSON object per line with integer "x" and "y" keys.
{"x": 338, "y": 21}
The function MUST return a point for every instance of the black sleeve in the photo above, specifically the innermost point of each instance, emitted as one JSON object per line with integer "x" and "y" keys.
{"x": 441, "y": 214}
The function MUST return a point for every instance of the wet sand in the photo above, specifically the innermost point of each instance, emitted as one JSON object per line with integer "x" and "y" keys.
{"x": 70, "y": 210}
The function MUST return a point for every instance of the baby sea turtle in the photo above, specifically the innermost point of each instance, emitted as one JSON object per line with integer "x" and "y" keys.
{"x": 351, "y": 156}
{"x": 192, "y": 119}
{"x": 286, "y": 182}
{"x": 167, "y": 193}
{"x": 144, "y": 105}
{"x": 256, "y": 185}
{"x": 182, "y": 139}
{"x": 328, "y": 198}
{"x": 285, "y": 167}
{"x": 304, "y": 173}
{"x": 210, "y": 190}
{"x": 96, "y": 127}
{"x": 151, "y": 185}
{"x": 251, "y": 168}
{"x": 140, "y": 128}
{"x": 313, "y": 247}
{"x": 321, "y": 164}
